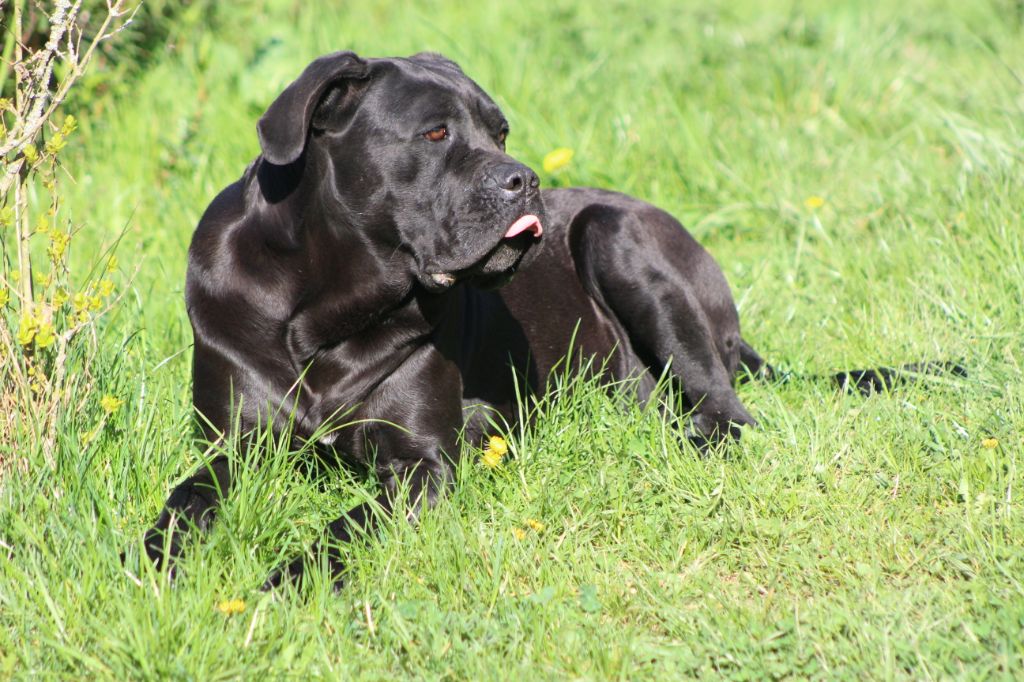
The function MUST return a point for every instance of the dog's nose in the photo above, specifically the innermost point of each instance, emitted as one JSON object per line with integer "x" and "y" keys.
{"x": 512, "y": 178}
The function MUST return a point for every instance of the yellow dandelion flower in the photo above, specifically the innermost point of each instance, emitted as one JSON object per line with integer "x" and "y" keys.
{"x": 536, "y": 525}
{"x": 814, "y": 202}
{"x": 497, "y": 444}
{"x": 110, "y": 404}
{"x": 491, "y": 459}
{"x": 496, "y": 449}
{"x": 557, "y": 159}
{"x": 230, "y": 607}
{"x": 990, "y": 443}
{"x": 519, "y": 533}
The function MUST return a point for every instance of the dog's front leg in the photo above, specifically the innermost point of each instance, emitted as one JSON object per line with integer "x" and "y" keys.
{"x": 423, "y": 481}
{"x": 193, "y": 503}
{"x": 411, "y": 435}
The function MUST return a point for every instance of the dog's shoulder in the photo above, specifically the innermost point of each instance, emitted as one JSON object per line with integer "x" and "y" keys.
{"x": 226, "y": 240}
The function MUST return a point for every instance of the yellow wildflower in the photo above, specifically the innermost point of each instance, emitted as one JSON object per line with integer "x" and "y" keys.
{"x": 229, "y": 607}
{"x": 496, "y": 449}
{"x": 990, "y": 443}
{"x": 106, "y": 288}
{"x": 536, "y": 525}
{"x": 58, "y": 245}
{"x": 519, "y": 533}
{"x": 55, "y": 143}
{"x": 498, "y": 445}
{"x": 557, "y": 159}
{"x": 814, "y": 202}
{"x": 27, "y": 329}
{"x": 95, "y": 303}
{"x": 5, "y": 296}
{"x": 110, "y": 404}
{"x": 45, "y": 335}
{"x": 80, "y": 301}
{"x": 60, "y": 297}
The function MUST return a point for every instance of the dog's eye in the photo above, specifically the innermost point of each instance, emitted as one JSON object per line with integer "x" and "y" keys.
{"x": 437, "y": 134}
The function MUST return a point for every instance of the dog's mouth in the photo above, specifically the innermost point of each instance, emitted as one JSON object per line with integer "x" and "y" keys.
{"x": 500, "y": 263}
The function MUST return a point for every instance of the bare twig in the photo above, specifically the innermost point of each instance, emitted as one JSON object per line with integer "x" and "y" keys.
{"x": 32, "y": 115}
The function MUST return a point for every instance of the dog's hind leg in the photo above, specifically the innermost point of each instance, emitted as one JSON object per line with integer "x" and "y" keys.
{"x": 672, "y": 301}
{"x": 879, "y": 379}
{"x": 192, "y": 504}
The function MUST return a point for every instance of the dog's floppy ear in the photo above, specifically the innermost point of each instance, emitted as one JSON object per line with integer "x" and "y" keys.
{"x": 283, "y": 128}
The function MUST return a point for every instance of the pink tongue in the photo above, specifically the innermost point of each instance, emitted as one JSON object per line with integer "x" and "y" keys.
{"x": 528, "y": 223}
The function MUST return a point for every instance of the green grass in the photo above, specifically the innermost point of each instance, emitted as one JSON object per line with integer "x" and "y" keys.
{"x": 845, "y": 537}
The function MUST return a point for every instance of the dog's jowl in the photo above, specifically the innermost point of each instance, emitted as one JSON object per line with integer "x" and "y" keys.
{"x": 385, "y": 262}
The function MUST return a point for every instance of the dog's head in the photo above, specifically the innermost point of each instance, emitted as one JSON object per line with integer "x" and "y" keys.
{"x": 410, "y": 154}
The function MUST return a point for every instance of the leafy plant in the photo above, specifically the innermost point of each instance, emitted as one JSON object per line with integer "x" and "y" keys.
{"x": 47, "y": 306}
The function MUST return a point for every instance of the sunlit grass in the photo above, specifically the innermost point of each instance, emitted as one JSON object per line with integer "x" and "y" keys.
{"x": 855, "y": 168}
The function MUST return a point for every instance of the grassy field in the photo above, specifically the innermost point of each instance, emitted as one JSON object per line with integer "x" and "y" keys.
{"x": 857, "y": 170}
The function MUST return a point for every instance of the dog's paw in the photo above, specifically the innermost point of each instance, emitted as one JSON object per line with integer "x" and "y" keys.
{"x": 709, "y": 429}
{"x": 162, "y": 553}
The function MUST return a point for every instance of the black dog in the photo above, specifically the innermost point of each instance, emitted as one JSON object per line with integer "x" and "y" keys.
{"x": 354, "y": 270}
